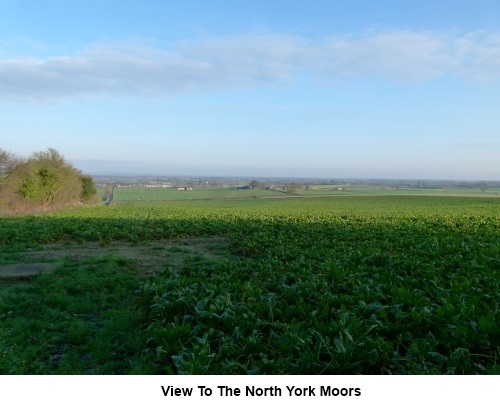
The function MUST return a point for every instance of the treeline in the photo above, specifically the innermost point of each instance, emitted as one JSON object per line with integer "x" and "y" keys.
{"x": 43, "y": 181}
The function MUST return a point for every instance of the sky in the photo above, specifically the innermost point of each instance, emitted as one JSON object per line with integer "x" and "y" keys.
{"x": 326, "y": 89}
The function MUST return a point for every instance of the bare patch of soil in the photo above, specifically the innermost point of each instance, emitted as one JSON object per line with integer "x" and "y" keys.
{"x": 18, "y": 270}
{"x": 151, "y": 256}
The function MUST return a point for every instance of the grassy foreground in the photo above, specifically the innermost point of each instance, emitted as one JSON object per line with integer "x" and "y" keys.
{"x": 374, "y": 285}
{"x": 80, "y": 320}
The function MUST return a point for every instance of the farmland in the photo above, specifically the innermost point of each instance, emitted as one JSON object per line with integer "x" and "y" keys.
{"x": 326, "y": 285}
{"x": 145, "y": 194}
{"x": 166, "y": 194}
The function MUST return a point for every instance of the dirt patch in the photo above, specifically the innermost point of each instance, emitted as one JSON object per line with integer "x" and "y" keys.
{"x": 25, "y": 269}
{"x": 151, "y": 256}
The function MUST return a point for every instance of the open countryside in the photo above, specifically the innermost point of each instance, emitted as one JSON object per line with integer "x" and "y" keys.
{"x": 160, "y": 194}
{"x": 301, "y": 189}
{"x": 226, "y": 281}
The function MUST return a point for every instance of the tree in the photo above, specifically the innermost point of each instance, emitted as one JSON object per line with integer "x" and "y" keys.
{"x": 8, "y": 163}
{"x": 9, "y": 166}
{"x": 44, "y": 179}
{"x": 254, "y": 184}
{"x": 49, "y": 179}
{"x": 89, "y": 191}
{"x": 292, "y": 188}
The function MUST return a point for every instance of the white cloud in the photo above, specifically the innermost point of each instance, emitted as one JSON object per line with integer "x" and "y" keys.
{"x": 478, "y": 56}
{"x": 238, "y": 62}
{"x": 402, "y": 56}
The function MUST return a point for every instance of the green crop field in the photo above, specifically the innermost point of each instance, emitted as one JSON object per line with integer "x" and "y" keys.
{"x": 328, "y": 189}
{"x": 167, "y": 194}
{"x": 146, "y": 194}
{"x": 324, "y": 285}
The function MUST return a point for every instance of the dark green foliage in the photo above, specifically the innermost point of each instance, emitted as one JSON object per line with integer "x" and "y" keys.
{"x": 80, "y": 320}
{"x": 337, "y": 285}
{"x": 89, "y": 191}
{"x": 28, "y": 188}
{"x": 338, "y": 296}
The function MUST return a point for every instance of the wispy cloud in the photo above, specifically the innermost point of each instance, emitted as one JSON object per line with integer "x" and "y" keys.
{"x": 478, "y": 56}
{"x": 243, "y": 61}
{"x": 403, "y": 55}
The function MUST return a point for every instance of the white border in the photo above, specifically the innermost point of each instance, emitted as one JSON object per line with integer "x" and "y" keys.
{"x": 124, "y": 390}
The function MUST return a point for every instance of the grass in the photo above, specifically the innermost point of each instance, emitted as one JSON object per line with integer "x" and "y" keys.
{"x": 80, "y": 320}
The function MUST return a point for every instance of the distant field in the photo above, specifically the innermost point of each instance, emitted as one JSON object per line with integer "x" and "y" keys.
{"x": 378, "y": 205}
{"x": 167, "y": 194}
{"x": 340, "y": 189}
{"x": 143, "y": 194}
{"x": 388, "y": 284}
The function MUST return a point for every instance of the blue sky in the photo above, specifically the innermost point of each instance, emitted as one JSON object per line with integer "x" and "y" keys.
{"x": 364, "y": 89}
